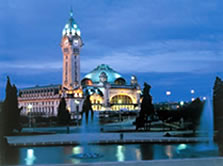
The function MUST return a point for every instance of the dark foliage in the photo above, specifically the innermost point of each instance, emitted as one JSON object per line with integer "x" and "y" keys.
{"x": 87, "y": 107}
{"x": 10, "y": 114}
{"x": 190, "y": 113}
{"x": 63, "y": 115}
{"x": 218, "y": 106}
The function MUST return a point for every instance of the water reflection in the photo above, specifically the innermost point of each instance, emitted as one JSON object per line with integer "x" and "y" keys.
{"x": 169, "y": 151}
{"x": 181, "y": 147}
{"x": 138, "y": 154}
{"x": 127, "y": 152}
{"x": 120, "y": 153}
{"x": 30, "y": 158}
{"x": 146, "y": 151}
{"x": 76, "y": 150}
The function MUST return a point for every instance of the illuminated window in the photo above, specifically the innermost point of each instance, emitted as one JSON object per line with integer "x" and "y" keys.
{"x": 121, "y": 99}
{"x": 122, "y": 102}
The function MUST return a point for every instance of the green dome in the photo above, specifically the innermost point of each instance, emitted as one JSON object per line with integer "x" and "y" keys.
{"x": 101, "y": 70}
{"x": 71, "y": 28}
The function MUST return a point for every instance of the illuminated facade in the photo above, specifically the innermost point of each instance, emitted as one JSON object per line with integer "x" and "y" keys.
{"x": 108, "y": 89}
{"x": 44, "y": 100}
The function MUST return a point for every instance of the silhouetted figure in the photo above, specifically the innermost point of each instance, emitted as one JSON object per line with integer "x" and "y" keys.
{"x": 86, "y": 107}
{"x": 147, "y": 108}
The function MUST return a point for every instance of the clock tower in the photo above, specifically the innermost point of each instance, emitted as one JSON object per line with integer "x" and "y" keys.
{"x": 71, "y": 44}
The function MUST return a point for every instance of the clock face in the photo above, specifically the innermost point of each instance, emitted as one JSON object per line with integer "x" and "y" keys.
{"x": 66, "y": 42}
{"x": 75, "y": 42}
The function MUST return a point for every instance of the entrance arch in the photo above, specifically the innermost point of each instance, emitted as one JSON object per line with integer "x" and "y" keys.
{"x": 121, "y": 102}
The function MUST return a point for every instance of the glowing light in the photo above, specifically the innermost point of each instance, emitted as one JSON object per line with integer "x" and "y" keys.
{"x": 66, "y": 26}
{"x": 76, "y": 150}
{"x": 182, "y": 103}
{"x": 168, "y": 93}
{"x": 76, "y": 101}
{"x": 73, "y": 32}
{"x": 192, "y": 91}
{"x": 64, "y": 32}
{"x": 78, "y": 32}
{"x": 204, "y": 98}
{"x": 30, "y": 106}
{"x": 75, "y": 26}
{"x": 120, "y": 153}
{"x": 30, "y": 157}
{"x": 192, "y": 99}
{"x": 138, "y": 91}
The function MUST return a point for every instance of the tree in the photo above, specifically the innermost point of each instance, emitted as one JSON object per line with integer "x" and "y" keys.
{"x": 86, "y": 107}
{"x": 63, "y": 115}
{"x": 10, "y": 113}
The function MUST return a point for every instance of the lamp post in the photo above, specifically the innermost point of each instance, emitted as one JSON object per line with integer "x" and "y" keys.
{"x": 192, "y": 93}
{"x": 29, "y": 111}
{"x": 168, "y": 93}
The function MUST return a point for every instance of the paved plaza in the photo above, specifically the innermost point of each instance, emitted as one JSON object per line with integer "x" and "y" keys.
{"x": 99, "y": 138}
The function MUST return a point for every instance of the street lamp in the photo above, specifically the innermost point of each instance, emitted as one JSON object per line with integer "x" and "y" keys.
{"x": 182, "y": 103}
{"x": 168, "y": 93}
{"x": 192, "y": 91}
{"x": 29, "y": 111}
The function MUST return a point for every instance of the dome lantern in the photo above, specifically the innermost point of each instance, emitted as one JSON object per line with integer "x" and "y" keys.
{"x": 71, "y": 28}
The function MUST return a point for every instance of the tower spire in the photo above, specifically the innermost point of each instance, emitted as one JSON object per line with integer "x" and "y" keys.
{"x": 71, "y": 12}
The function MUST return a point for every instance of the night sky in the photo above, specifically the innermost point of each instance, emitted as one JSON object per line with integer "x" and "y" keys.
{"x": 174, "y": 45}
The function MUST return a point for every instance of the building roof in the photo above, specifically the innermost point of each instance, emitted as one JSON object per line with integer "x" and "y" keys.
{"x": 94, "y": 75}
{"x": 42, "y": 87}
{"x": 71, "y": 28}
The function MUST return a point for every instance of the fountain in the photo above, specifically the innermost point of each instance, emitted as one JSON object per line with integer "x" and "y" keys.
{"x": 206, "y": 121}
{"x": 87, "y": 127}
{"x": 206, "y": 129}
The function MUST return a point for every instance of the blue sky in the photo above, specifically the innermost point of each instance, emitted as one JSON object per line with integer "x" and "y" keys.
{"x": 173, "y": 45}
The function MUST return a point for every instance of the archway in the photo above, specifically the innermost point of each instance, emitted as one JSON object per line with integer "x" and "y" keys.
{"x": 121, "y": 102}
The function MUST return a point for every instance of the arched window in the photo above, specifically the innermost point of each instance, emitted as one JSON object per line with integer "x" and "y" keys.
{"x": 86, "y": 81}
{"x": 121, "y": 102}
{"x": 121, "y": 99}
{"x": 120, "y": 81}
